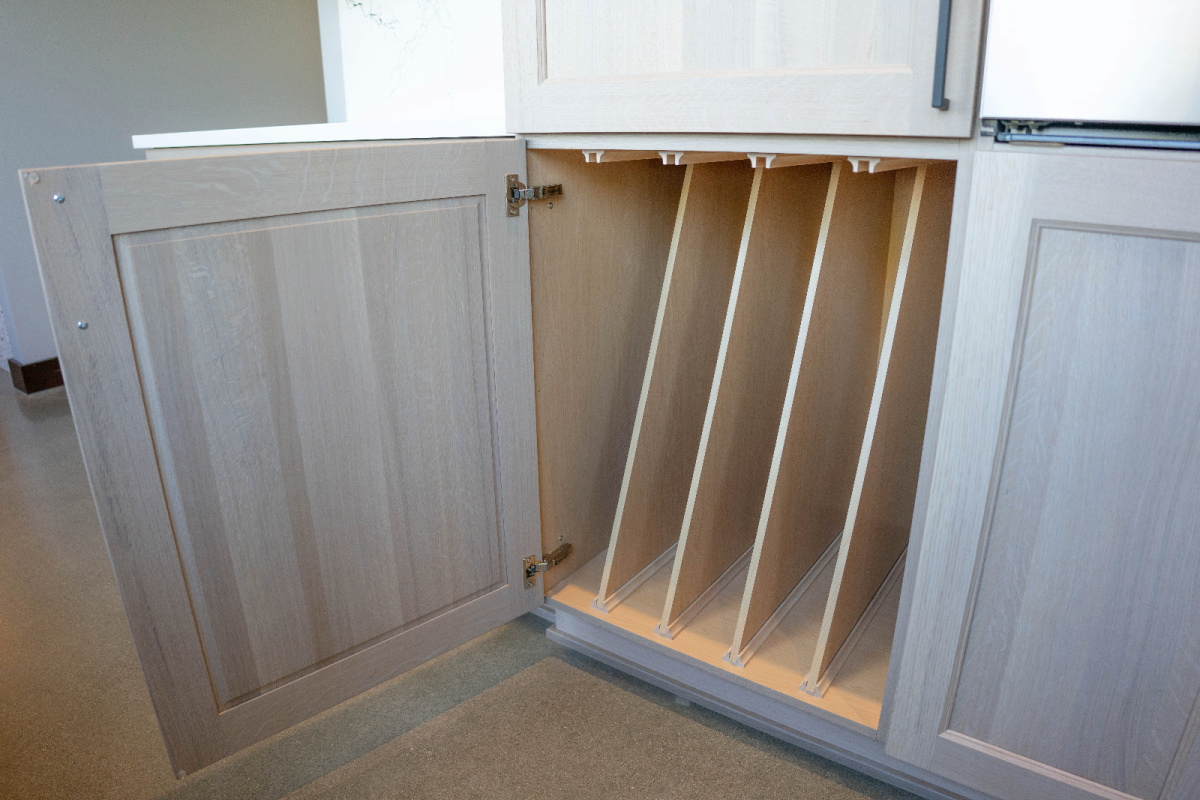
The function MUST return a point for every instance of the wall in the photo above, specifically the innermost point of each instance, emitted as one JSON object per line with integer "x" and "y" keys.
{"x": 413, "y": 60}
{"x": 79, "y": 77}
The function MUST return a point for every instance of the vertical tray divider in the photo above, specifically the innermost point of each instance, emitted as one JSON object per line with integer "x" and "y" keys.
{"x": 604, "y": 594}
{"x": 817, "y": 680}
{"x": 664, "y": 626}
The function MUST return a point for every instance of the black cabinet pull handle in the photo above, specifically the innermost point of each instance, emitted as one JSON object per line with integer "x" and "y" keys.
{"x": 939, "y": 62}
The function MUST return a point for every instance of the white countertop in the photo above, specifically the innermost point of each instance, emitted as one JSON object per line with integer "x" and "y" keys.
{"x": 327, "y": 132}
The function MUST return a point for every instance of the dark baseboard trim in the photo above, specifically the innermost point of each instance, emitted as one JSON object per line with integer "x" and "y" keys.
{"x": 35, "y": 377}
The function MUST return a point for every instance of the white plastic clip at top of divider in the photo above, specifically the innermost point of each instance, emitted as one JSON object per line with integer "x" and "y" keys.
{"x": 679, "y": 158}
{"x": 609, "y": 156}
{"x": 779, "y": 160}
{"x": 876, "y": 165}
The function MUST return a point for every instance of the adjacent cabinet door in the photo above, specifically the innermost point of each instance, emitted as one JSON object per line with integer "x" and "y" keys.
{"x": 1054, "y": 643}
{"x": 303, "y": 385}
{"x": 850, "y": 67}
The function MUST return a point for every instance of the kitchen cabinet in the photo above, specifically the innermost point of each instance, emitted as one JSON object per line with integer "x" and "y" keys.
{"x": 883, "y": 445}
{"x": 305, "y": 385}
{"x": 847, "y": 67}
{"x": 1054, "y": 642}
{"x": 334, "y": 401}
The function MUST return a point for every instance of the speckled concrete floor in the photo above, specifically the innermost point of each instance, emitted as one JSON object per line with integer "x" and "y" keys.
{"x": 76, "y": 720}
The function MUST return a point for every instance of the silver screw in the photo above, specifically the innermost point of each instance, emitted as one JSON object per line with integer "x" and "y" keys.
{"x": 33, "y": 178}
{"x": 81, "y": 325}
{"x": 59, "y": 198}
{"x": 549, "y": 205}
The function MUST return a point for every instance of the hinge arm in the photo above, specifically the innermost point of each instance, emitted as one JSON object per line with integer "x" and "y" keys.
{"x": 533, "y": 566}
{"x": 517, "y": 194}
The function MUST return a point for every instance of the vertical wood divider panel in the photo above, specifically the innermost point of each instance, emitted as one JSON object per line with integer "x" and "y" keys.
{"x": 697, "y": 580}
{"x": 780, "y": 239}
{"x": 605, "y": 596}
{"x": 827, "y": 398}
{"x": 679, "y": 370}
{"x": 877, "y": 523}
{"x": 594, "y": 301}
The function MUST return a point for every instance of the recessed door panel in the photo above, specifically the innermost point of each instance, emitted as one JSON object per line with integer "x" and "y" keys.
{"x": 1084, "y": 646}
{"x": 305, "y": 374}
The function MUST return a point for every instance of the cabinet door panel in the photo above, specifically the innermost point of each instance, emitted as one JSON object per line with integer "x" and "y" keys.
{"x": 718, "y": 66}
{"x": 339, "y": 411}
{"x": 1056, "y": 593}
{"x": 313, "y": 365}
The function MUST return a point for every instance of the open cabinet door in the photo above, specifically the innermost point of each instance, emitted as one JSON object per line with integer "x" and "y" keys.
{"x": 303, "y": 386}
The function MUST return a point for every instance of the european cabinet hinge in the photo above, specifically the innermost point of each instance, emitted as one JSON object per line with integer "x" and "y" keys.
{"x": 517, "y": 194}
{"x": 534, "y": 565}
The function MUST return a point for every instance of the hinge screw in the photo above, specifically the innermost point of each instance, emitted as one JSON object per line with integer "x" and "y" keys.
{"x": 33, "y": 178}
{"x": 59, "y": 198}
{"x": 81, "y": 325}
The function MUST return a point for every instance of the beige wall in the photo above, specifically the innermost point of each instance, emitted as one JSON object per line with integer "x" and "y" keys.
{"x": 79, "y": 77}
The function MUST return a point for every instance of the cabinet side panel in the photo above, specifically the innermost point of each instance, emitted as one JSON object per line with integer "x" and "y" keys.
{"x": 683, "y": 370}
{"x": 1084, "y": 646}
{"x": 596, "y": 262}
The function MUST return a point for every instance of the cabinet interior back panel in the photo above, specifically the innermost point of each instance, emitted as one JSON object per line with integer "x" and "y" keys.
{"x": 586, "y": 39}
{"x": 1092, "y": 540}
{"x": 318, "y": 391}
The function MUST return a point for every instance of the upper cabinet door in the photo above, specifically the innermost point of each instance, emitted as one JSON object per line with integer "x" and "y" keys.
{"x": 849, "y": 67}
{"x": 303, "y": 386}
{"x": 1053, "y": 648}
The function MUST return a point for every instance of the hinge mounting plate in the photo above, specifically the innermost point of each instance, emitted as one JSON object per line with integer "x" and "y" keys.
{"x": 534, "y": 565}
{"x": 518, "y": 195}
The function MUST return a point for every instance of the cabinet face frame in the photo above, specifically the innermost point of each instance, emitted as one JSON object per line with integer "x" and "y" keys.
{"x": 853, "y": 100}
{"x": 75, "y": 213}
{"x": 1014, "y": 194}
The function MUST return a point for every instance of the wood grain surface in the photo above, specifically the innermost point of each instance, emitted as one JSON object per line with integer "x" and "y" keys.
{"x": 1104, "y": 529}
{"x": 681, "y": 374}
{"x": 247, "y": 342}
{"x": 750, "y": 396}
{"x": 777, "y": 668}
{"x": 833, "y": 364}
{"x": 309, "y": 427}
{"x": 881, "y": 504}
{"x": 846, "y": 67}
{"x": 596, "y": 261}
{"x": 1091, "y": 540}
